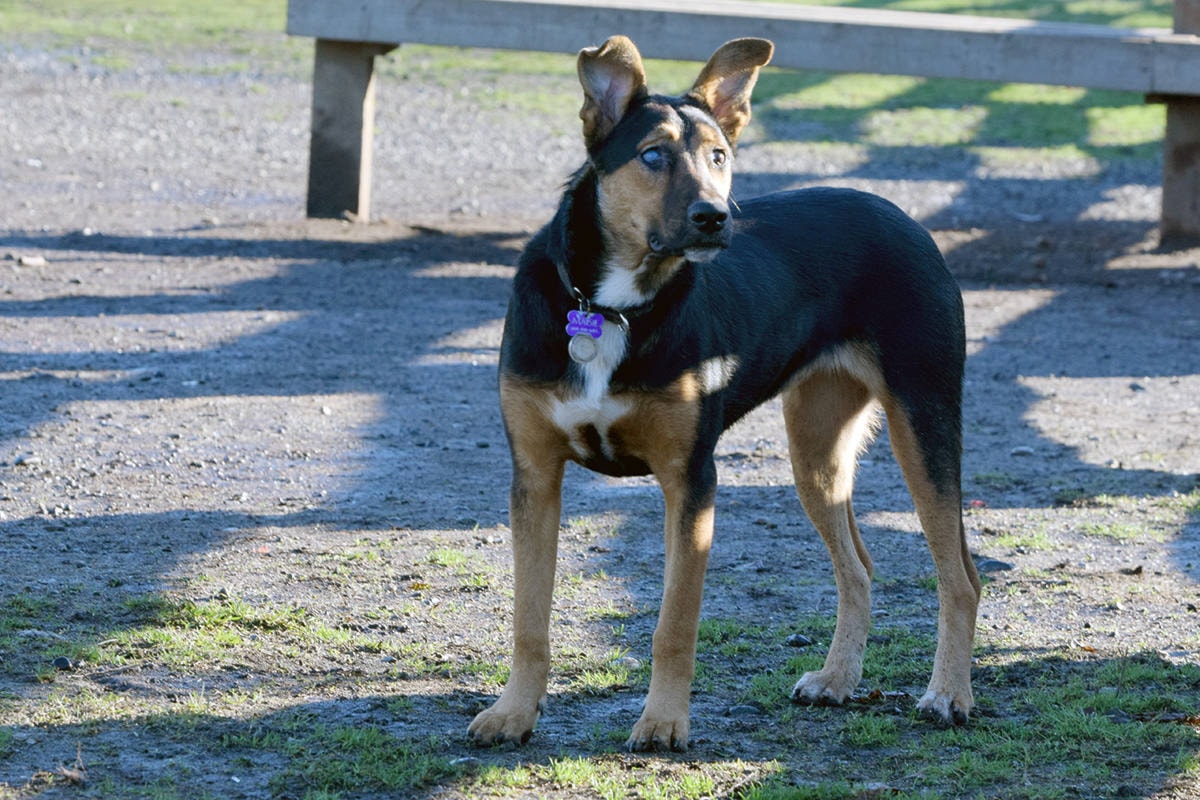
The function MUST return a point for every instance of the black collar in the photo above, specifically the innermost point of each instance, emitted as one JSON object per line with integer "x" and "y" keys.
{"x": 620, "y": 316}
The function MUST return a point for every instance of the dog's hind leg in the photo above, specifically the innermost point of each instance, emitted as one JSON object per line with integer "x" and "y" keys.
{"x": 829, "y": 416}
{"x": 927, "y": 444}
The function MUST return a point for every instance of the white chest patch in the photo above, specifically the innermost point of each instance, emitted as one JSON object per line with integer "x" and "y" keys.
{"x": 619, "y": 289}
{"x": 594, "y": 406}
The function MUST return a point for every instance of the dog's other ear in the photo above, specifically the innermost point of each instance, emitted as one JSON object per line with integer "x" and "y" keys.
{"x": 727, "y": 80}
{"x": 612, "y": 75}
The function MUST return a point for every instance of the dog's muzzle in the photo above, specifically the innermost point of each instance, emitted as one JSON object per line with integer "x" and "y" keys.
{"x": 708, "y": 218}
{"x": 706, "y": 233}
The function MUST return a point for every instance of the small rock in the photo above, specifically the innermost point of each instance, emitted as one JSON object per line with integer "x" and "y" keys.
{"x": 799, "y": 640}
{"x": 628, "y": 662}
{"x": 993, "y": 565}
{"x": 32, "y": 261}
{"x": 63, "y": 664}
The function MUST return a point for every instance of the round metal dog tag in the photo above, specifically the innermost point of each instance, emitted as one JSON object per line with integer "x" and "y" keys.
{"x": 582, "y": 348}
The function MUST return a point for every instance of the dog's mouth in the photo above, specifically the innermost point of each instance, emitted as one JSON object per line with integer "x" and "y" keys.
{"x": 705, "y": 249}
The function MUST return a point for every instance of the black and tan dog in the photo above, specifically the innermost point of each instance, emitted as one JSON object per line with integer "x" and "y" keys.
{"x": 646, "y": 318}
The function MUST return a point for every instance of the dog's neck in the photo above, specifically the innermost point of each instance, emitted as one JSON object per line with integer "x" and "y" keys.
{"x": 596, "y": 271}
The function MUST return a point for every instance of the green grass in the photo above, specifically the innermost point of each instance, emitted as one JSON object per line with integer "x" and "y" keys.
{"x": 1048, "y": 720}
{"x": 343, "y": 761}
{"x": 610, "y": 778}
{"x": 164, "y": 24}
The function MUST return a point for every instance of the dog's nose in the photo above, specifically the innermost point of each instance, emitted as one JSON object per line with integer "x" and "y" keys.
{"x": 707, "y": 216}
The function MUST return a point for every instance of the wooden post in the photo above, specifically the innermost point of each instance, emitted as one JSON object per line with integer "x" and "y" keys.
{"x": 343, "y": 118}
{"x": 1181, "y": 151}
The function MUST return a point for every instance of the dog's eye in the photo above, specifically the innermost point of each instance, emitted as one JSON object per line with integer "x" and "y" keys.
{"x": 719, "y": 157}
{"x": 652, "y": 157}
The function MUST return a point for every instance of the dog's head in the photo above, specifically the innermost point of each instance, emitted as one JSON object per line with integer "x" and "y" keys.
{"x": 664, "y": 164}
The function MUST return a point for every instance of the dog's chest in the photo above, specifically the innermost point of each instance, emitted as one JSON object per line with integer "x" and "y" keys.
{"x": 586, "y": 414}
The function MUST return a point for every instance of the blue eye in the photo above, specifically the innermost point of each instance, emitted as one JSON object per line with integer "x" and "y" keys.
{"x": 652, "y": 157}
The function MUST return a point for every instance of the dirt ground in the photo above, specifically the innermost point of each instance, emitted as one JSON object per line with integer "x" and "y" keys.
{"x": 205, "y": 393}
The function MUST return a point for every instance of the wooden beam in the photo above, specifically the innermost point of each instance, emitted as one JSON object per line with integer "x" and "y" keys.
{"x": 1181, "y": 151}
{"x": 343, "y": 118}
{"x": 1156, "y": 62}
{"x": 806, "y": 37}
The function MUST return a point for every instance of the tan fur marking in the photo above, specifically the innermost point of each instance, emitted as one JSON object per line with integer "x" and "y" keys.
{"x": 631, "y": 200}
{"x": 660, "y": 428}
{"x": 535, "y": 507}
{"x": 830, "y": 415}
{"x": 529, "y": 418}
{"x": 949, "y": 694}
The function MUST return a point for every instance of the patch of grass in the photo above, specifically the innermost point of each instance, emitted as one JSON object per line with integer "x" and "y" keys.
{"x": 781, "y": 788}
{"x": 338, "y": 761}
{"x": 233, "y": 613}
{"x": 598, "y": 675}
{"x": 1023, "y": 541}
{"x": 24, "y": 611}
{"x": 494, "y": 775}
{"x": 490, "y": 672}
{"x": 998, "y": 481}
{"x": 182, "y": 634}
{"x": 871, "y": 730}
{"x": 609, "y": 612}
{"x": 1121, "y": 531}
{"x": 32, "y": 634}
{"x": 171, "y": 24}
{"x": 611, "y": 778}
{"x": 1091, "y": 722}
{"x": 448, "y": 557}
{"x": 730, "y": 637}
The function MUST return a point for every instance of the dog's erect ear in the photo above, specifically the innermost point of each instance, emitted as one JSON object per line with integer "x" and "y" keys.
{"x": 727, "y": 80}
{"x": 612, "y": 75}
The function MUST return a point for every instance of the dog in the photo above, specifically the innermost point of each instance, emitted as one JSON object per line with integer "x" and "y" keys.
{"x": 652, "y": 312}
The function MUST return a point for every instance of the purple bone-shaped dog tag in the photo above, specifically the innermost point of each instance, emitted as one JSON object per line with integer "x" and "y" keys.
{"x": 582, "y": 322}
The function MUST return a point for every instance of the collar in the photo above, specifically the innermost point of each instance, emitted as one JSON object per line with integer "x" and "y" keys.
{"x": 619, "y": 316}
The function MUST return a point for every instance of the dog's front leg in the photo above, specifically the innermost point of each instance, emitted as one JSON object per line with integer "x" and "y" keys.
{"x": 535, "y": 504}
{"x": 689, "y": 527}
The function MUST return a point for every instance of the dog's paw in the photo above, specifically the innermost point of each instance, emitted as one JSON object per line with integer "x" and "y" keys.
{"x": 821, "y": 689}
{"x": 496, "y": 726}
{"x": 650, "y": 734}
{"x": 945, "y": 708}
